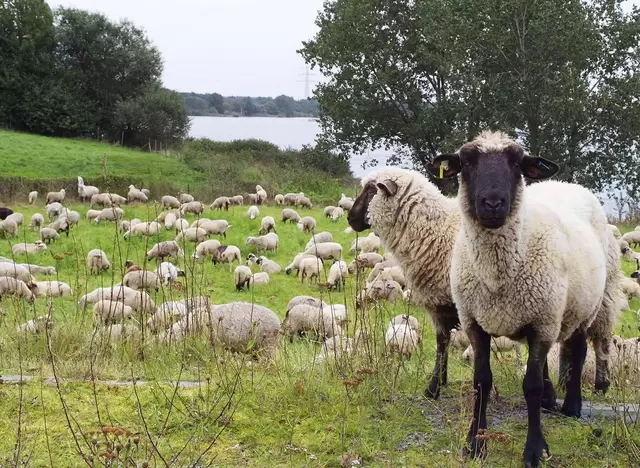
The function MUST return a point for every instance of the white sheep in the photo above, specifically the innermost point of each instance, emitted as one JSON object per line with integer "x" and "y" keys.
{"x": 307, "y": 224}
{"x": 337, "y": 311}
{"x": 310, "y": 267}
{"x": 615, "y": 231}
{"x": 194, "y": 207}
{"x": 181, "y": 225}
{"x": 267, "y": 225}
{"x": 309, "y": 300}
{"x": 401, "y": 338}
{"x": 135, "y": 195}
{"x": 27, "y": 248}
{"x": 259, "y": 279}
{"x": 319, "y": 238}
{"x": 371, "y": 243}
{"x": 169, "y": 273}
{"x": 107, "y": 311}
{"x": 279, "y": 199}
{"x": 345, "y": 202}
{"x": 304, "y": 202}
{"x": 35, "y": 325}
{"x": 39, "y": 270}
{"x": 268, "y": 266}
{"x": 337, "y": 275}
{"x": 141, "y": 279}
{"x": 499, "y": 345}
{"x": 290, "y": 215}
{"x": 220, "y": 203}
{"x": 9, "y": 228}
{"x": 85, "y": 192}
{"x": 227, "y": 253}
{"x": 15, "y": 287}
{"x": 33, "y": 196}
{"x": 365, "y": 260}
{"x": 632, "y": 237}
{"x": 206, "y": 248}
{"x": 73, "y": 217}
{"x": 252, "y": 198}
{"x": 387, "y": 273}
{"x": 113, "y": 334}
{"x": 109, "y": 214}
{"x": 216, "y": 227}
{"x": 170, "y": 221}
{"x": 185, "y": 198}
{"x": 53, "y": 210}
{"x": 237, "y": 200}
{"x": 253, "y": 212}
{"x": 268, "y": 242}
{"x": 328, "y": 211}
{"x": 49, "y": 289}
{"x": 295, "y": 264}
{"x": 169, "y": 201}
{"x": 192, "y": 235}
{"x": 336, "y": 214}
{"x": 380, "y": 290}
{"x": 18, "y": 218}
{"x": 138, "y": 300}
{"x": 325, "y": 251}
{"x": 241, "y": 276}
{"x": 151, "y": 228}
{"x": 91, "y": 214}
{"x": 48, "y": 235}
{"x": 165, "y": 249}
{"x": 53, "y": 197}
{"x": 262, "y": 194}
{"x": 308, "y": 318}
{"x": 17, "y": 271}
{"x": 97, "y": 261}
{"x": 61, "y": 224}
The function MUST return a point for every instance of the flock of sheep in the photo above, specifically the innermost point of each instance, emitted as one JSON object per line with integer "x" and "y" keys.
{"x": 502, "y": 263}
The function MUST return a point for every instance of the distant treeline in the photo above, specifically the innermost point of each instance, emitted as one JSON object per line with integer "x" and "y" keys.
{"x": 281, "y": 106}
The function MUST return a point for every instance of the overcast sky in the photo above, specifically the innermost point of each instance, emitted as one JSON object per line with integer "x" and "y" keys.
{"x": 233, "y": 47}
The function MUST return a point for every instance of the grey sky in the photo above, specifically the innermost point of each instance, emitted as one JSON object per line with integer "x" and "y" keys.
{"x": 233, "y": 47}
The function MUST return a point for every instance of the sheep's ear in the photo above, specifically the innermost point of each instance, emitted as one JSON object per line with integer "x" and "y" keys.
{"x": 389, "y": 187}
{"x": 538, "y": 168}
{"x": 445, "y": 166}
{"x": 635, "y": 274}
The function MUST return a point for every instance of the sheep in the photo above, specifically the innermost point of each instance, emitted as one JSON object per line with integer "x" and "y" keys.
{"x": 61, "y": 224}
{"x": 107, "y": 311}
{"x": 632, "y": 237}
{"x": 15, "y": 287}
{"x": 630, "y": 288}
{"x": 166, "y": 316}
{"x": 365, "y": 260}
{"x": 165, "y": 249}
{"x": 185, "y": 198}
{"x": 246, "y": 328}
{"x": 220, "y": 203}
{"x": 337, "y": 275}
{"x": 349, "y": 230}
{"x": 308, "y": 318}
{"x": 53, "y": 210}
{"x": 268, "y": 266}
{"x": 97, "y": 261}
{"x": 459, "y": 339}
{"x": 9, "y": 228}
{"x": 241, "y": 276}
{"x": 4, "y": 212}
{"x": 35, "y": 325}
{"x": 93, "y": 214}
{"x": 401, "y": 338}
{"x": 615, "y": 231}
{"x": 47, "y": 235}
{"x": 290, "y": 215}
{"x": 384, "y": 289}
{"x": 309, "y": 300}
{"x": 138, "y": 300}
{"x": 135, "y": 195}
{"x": 169, "y": 201}
{"x": 501, "y": 344}
{"x": 118, "y": 333}
{"x": 109, "y": 214}
{"x": 336, "y": 346}
{"x": 268, "y": 242}
{"x": 279, "y": 199}
{"x": 14, "y": 270}
{"x": 410, "y": 320}
{"x": 252, "y": 198}
{"x": 307, "y": 224}
{"x": 53, "y": 197}
{"x": 206, "y": 248}
{"x": 168, "y": 272}
{"x": 337, "y": 311}
{"x": 27, "y": 248}
{"x": 49, "y": 289}
{"x": 237, "y": 200}
{"x": 259, "y": 279}
{"x": 290, "y": 198}
{"x": 227, "y": 253}
{"x": 539, "y": 264}
{"x": 319, "y": 238}
{"x": 262, "y": 195}
{"x": 253, "y": 212}
{"x": 194, "y": 207}
{"x": 371, "y": 243}
{"x": 304, "y": 202}
{"x": 387, "y": 273}
{"x": 33, "y": 196}
{"x": 295, "y": 264}
{"x": 85, "y": 192}
{"x": 310, "y": 268}
{"x": 328, "y": 211}
{"x": 267, "y": 225}
{"x": 325, "y": 251}
{"x": 141, "y": 279}
{"x": 213, "y": 227}
{"x": 181, "y": 225}
{"x": 18, "y": 218}
{"x": 192, "y": 235}
{"x": 151, "y": 228}
{"x": 107, "y": 199}
{"x": 39, "y": 270}
{"x": 336, "y": 214}
{"x": 73, "y": 217}
{"x": 346, "y": 203}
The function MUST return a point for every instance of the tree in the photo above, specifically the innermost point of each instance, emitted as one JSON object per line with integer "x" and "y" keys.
{"x": 271, "y": 108}
{"x": 196, "y": 105}
{"x": 216, "y": 101}
{"x": 285, "y": 105}
{"x": 248, "y": 107}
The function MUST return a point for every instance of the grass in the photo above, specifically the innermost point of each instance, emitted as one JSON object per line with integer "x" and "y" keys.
{"x": 298, "y": 410}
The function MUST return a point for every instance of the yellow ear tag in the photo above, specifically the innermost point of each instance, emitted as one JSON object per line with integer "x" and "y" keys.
{"x": 443, "y": 166}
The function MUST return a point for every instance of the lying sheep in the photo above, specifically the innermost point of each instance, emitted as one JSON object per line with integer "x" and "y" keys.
{"x": 253, "y": 212}
{"x": 165, "y": 249}
{"x": 26, "y": 248}
{"x": 268, "y": 266}
{"x": 97, "y": 261}
{"x": 304, "y": 318}
{"x": 227, "y": 253}
{"x": 55, "y": 197}
{"x": 118, "y": 333}
{"x": 259, "y": 279}
{"x": 48, "y": 235}
{"x": 206, "y": 248}
{"x": 310, "y": 268}
{"x": 107, "y": 311}
{"x": 33, "y": 196}
{"x": 14, "y": 287}
{"x": 267, "y": 225}
{"x": 49, "y": 289}
{"x": 220, "y": 203}
{"x": 141, "y": 279}
{"x": 194, "y": 207}
{"x": 328, "y": 211}
{"x": 394, "y": 273}
{"x": 241, "y": 276}
{"x": 37, "y": 221}
{"x": 337, "y": 214}
{"x": 401, "y": 338}
{"x": 168, "y": 273}
{"x": 371, "y": 243}
{"x": 290, "y": 215}
{"x": 325, "y": 251}
{"x": 135, "y": 195}
{"x": 337, "y": 275}
{"x": 307, "y": 224}
{"x": 15, "y": 270}
{"x": 268, "y": 242}
{"x": 216, "y": 227}
{"x": 9, "y": 228}
{"x": 109, "y": 214}
{"x": 36, "y": 325}
{"x": 169, "y": 201}
{"x": 39, "y": 270}
{"x": 192, "y": 235}
{"x": 319, "y": 238}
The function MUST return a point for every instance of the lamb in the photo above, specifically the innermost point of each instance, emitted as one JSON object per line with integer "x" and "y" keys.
{"x": 246, "y": 328}
{"x": 253, "y": 212}
{"x": 165, "y": 249}
{"x": 39, "y": 270}
{"x": 337, "y": 275}
{"x": 91, "y": 214}
{"x": 310, "y": 268}
{"x": 85, "y": 192}
{"x": 27, "y": 248}
{"x": 259, "y": 279}
{"x": 220, "y": 203}
{"x": 328, "y": 211}
{"x": 18, "y": 218}
{"x": 15, "y": 287}
{"x": 319, "y": 238}
{"x": 53, "y": 197}
{"x": 267, "y": 225}
{"x": 227, "y": 253}
{"x": 192, "y": 235}
{"x": 185, "y": 198}
{"x": 307, "y": 224}
{"x": 206, "y": 248}
{"x": 615, "y": 231}
{"x": 345, "y": 202}
{"x": 53, "y": 210}
{"x": 136, "y": 195}
{"x": 97, "y": 261}
{"x": 549, "y": 249}
{"x": 33, "y": 196}
{"x": 169, "y": 273}
{"x": 401, "y": 338}
{"x": 141, "y": 279}
{"x": 308, "y": 318}
{"x": 213, "y": 227}
{"x": 262, "y": 195}
{"x": 9, "y": 228}
{"x": 169, "y": 201}
{"x": 151, "y": 228}
{"x": 279, "y": 199}
{"x": 336, "y": 214}
{"x": 109, "y": 214}
{"x": 49, "y": 289}
{"x": 268, "y": 266}
{"x": 194, "y": 207}
{"x": 371, "y": 243}
{"x": 304, "y": 202}
{"x": 17, "y": 271}
{"x": 290, "y": 215}
{"x": 268, "y": 242}
{"x": 241, "y": 276}
{"x": 61, "y": 224}
{"x": 107, "y": 311}
{"x": 325, "y": 251}
{"x": 632, "y": 237}
{"x": 295, "y": 264}
{"x": 47, "y": 235}
{"x": 237, "y": 200}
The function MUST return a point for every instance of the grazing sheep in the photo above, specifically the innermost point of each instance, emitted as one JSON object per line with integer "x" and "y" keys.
{"x": 97, "y": 261}
{"x": 365, "y": 260}
{"x": 192, "y": 235}
{"x": 304, "y": 202}
{"x": 73, "y": 217}
{"x": 48, "y": 235}
{"x": 138, "y": 300}
{"x": 307, "y": 224}
{"x": 328, "y": 211}
{"x": 410, "y": 320}
{"x": 135, "y": 195}
{"x": 35, "y": 325}
{"x": 371, "y": 243}
{"x": 379, "y": 290}
{"x": 279, "y": 199}
{"x": 170, "y": 221}
{"x": 14, "y": 270}
{"x": 253, "y": 212}
{"x": 387, "y": 273}
{"x": 309, "y": 300}
{"x": 268, "y": 266}
{"x": 336, "y": 346}
{"x": 402, "y": 339}
{"x": 85, "y": 192}
{"x": 337, "y": 275}
{"x": 92, "y": 214}
{"x": 181, "y": 225}
{"x": 304, "y": 318}
{"x": 33, "y": 196}
{"x": 252, "y": 198}
{"x": 241, "y": 276}
{"x": 337, "y": 214}
{"x": 107, "y": 311}
{"x": 206, "y": 248}
{"x": 459, "y": 339}
{"x": 237, "y": 200}
{"x": 227, "y": 253}
{"x": 107, "y": 199}
{"x": 151, "y": 228}
{"x": 141, "y": 279}
{"x": 55, "y": 197}
{"x": 337, "y": 311}
{"x": 615, "y": 231}
{"x": 540, "y": 265}
{"x": 216, "y": 227}
{"x": 295, "y": 264}
{"x": 169, "y": 201}
{"x": 27, "y": 248}
{"x": 632, "y": 237}
{"x": 109, "y": 214}
{"x": 259, "y": 279}
{"x": 261, "y": 194}
{"x": 14, "y": 287}
{"x": 18, "y": 218}
{"x": 9, "y": 228}
{"x": 267, "y": 225}
{"x": 116, "y": 333}
{"x": 346, "y": 203}
{"x": 630, "y": 288}
{"x": 290, "y": 215}
{"x": 501, "y": 345}
{"x": 319, "y": 238}
{"x": 49, "y": 289}
{"x": 185, "y": 198}
{"x": 310, "y": 268}
{"x": 194, "y": 207}
{"x": 325, "y": 251}
{"x": 220, "y": 203}
{"x": 169, "y": 273}
{"x": 61, "y": 224}
{"x": 39, "y": 270}
{"x": 165, "y": 249}
{"x": 53, "y": 210}
{"x": 268, "y": 242}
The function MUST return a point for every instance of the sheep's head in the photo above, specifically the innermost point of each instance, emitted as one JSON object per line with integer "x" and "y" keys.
{"x": 491, "y": 168}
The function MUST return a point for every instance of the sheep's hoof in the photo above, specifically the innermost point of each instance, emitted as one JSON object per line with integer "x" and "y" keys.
{"x": 572, "y": 408}
{"x": 432, "y": 391}
{"x": 602, "y": 386}
{"x": 534, "y": 449}
{"x": 475, "y": 448}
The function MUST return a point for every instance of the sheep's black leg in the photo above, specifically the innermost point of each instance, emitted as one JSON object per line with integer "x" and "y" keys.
{"x": 573, "y": 399}
{"x": 482, "y": 381}
{"x": 533, "y": 387}
{"x": 601, "y": 347}
{"x": 445, "y": 318}
{"x": 548, "y": 392}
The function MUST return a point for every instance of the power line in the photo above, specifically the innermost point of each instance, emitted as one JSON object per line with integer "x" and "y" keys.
{"x": 307, "y": 81}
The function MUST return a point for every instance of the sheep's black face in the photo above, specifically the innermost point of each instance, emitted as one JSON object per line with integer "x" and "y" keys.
{"x": 357, "y": 216}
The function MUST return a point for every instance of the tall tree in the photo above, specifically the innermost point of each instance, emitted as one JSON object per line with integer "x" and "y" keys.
{"x": 285, "y": 105}
{"x": 248, "y": 107}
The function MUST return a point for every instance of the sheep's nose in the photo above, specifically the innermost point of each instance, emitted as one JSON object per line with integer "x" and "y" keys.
{"x": 493, "y": 204}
